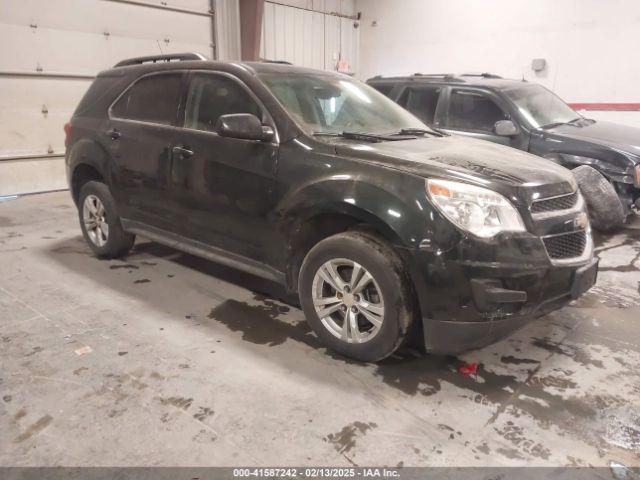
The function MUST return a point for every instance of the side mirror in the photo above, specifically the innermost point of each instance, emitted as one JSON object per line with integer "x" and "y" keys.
{"x": 244, "y": 126}
{"x": 505, "y": 128}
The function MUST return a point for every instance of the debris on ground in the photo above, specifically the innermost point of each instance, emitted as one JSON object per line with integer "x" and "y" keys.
{"x": 468, "y": 369}
{"x": 84, "y": 350}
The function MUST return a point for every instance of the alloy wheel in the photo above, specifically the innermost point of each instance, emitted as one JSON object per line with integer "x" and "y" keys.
{"x": 348, "y": 300}
{"x": 94, "y": 218}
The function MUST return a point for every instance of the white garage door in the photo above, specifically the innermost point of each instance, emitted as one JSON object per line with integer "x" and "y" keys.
{"x": 49, "y": 52}
{"x": 318, "y": 36}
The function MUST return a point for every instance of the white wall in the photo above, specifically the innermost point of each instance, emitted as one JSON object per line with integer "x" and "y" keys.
{"x": 81, "y": 37}
{"x": 306, "y": 33}
{"x": 227, "y": 13}
{"x": 591, "y": 46}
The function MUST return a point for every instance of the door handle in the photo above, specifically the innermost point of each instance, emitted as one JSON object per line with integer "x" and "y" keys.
{"x": 182, "y": 151}
{"x": 114, "y": 133}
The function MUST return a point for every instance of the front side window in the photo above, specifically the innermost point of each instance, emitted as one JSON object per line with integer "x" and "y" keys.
{"x": 540, "y": 107}
{"x": 422, "y": 102}
{"x": 153, "y": 99}
{"x": 211, "y": 96}
{"x": 332, "y": 105}
{"x": 473, "y": 111}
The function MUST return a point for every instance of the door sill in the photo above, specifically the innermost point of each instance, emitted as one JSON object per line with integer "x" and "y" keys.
{"x": 200, "y": 249}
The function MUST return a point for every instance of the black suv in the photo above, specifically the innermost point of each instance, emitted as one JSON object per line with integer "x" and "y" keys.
{"x": 382, "y": 225}
{"x": 529, "y": 117}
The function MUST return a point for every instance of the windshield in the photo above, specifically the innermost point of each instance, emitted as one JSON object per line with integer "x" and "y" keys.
{"x": 333, "y": 105}
{"x": 540, "y": 106}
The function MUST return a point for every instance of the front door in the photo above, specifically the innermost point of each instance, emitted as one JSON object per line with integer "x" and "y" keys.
{"x": 422, "y": 101}
{"x": 140, "y": 132}
{"x": 222, "y": 189}
{"x": 474, "y": 113}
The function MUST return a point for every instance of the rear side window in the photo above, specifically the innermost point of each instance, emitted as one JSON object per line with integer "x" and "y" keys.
{"x": 422, "y": 102}
{"x": 152, "y": 99}
{"x": 473, "y": 111}
{"x": 384, "y": 89}
{"x": 211, "y": 96}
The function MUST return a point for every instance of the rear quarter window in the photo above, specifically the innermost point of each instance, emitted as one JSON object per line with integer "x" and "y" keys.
{"x": 101, "y": 93}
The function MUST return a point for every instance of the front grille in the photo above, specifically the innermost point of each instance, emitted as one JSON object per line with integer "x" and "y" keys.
{"x": 557, "y": 203}
{"x": 567, "y": 245}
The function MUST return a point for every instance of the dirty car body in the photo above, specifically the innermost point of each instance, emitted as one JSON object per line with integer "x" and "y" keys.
{"x": 261, "y": 205}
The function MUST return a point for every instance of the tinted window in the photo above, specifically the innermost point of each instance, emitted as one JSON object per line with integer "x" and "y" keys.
{"x": 211, "y": 96}
{"x": 151, "y": 99}
{"x": 422, "y": 102}
{"x": 101, "y": 94}
{"x": 384, "y": 89}
{"x": 473, "y": 111}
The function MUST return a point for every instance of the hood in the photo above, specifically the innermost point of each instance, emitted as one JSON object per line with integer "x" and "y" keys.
{"x": 607, "y": 134}
{"x": 482, "y": 163}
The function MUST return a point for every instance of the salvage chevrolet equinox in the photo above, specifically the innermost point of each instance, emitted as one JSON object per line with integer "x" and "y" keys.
{"x": 383, "y": 226}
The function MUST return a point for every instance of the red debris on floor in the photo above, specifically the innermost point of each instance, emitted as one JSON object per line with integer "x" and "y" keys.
{"x": 468, "y": 369}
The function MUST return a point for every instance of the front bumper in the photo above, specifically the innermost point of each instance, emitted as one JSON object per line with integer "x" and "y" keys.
{"x": 480, "y": 292}
{"x": 453, "y": 337}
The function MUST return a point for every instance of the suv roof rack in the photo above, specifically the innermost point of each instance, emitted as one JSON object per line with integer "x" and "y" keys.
{"x": 439, "y": 76}
{"x": 448, "y": 77}
{"x": 160, "y": 58}
{"x": 483, "y": 75}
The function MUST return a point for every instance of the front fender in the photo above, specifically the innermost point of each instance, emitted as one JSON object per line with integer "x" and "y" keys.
{"x": 399, "y": 210}
{"x": 614, "y": 165}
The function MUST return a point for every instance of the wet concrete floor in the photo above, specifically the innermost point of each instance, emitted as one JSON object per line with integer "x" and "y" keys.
{"x": 166, "y": 359}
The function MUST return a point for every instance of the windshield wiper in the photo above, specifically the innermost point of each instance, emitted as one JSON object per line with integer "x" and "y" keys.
{"x": 367, "y": 137}
{"x": 552, "y": 125}
{"x": 557, "y": 124}
{"x": 419, "y": 131}
{"x": 581, "y": 121}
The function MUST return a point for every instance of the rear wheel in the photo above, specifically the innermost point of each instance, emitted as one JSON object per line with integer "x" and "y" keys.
{"x": 606, "y": 211}
{"x": 100, "y": 223}
{"x": 356, "y": 295}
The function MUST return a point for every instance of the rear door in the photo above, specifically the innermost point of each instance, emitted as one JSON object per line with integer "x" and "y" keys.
{"x": 222, "y": 189}
{"x": 474, "y": 113}
{"x": 141, "y": 130}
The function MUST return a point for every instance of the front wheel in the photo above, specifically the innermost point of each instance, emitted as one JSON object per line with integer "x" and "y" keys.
{"x": 606, "y": 211}
{"x": 356, "y": 295}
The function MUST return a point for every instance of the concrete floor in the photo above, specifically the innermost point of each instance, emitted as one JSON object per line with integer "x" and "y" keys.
{"x": 166, "y": 359}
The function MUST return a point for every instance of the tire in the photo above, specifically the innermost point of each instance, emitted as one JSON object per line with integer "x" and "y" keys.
{"x": 606, "y": 211}
{"x": 390, "y": 287}
{"x": 115, "y": 242}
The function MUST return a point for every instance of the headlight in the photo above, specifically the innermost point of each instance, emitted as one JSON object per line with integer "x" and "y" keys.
{"x": 475, "y": 209}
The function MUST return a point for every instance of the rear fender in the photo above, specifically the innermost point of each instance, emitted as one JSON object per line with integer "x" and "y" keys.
{"x": 92, "y": 153}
